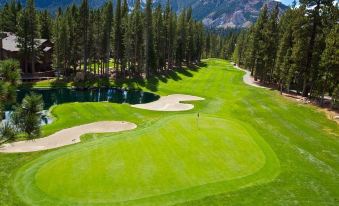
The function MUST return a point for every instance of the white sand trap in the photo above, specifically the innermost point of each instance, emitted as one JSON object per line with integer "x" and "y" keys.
{"x": 66, "y": 137}
{"x": 249, "y": 80}
{"x": 170, "y": 103}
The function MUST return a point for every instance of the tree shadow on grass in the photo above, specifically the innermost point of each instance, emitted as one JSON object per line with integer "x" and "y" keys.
{"x": 54, "y": 84}
{"x": 152, "y": 83}
{"x": 185, "y": 72}
{"x": 137, "y": 82}
{"x": 59, "y": 83}
{"x": 132, "y": 83}
{"x": 198, "y": 66}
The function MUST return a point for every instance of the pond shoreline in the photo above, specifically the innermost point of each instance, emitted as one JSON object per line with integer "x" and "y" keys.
{"x": 56, "y": 96}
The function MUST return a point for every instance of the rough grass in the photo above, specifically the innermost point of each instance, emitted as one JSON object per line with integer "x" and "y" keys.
{"x": 251, "y": 147}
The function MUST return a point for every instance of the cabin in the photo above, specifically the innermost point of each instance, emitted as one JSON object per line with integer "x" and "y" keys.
{"x": 43, "y": 66}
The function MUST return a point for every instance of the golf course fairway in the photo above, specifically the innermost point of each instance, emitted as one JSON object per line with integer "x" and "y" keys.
{"x": 240, "y": 146}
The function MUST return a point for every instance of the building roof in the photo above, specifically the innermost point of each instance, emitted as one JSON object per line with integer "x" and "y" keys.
{"x": 46, "y": 49}
{"x": 10, "y": 43}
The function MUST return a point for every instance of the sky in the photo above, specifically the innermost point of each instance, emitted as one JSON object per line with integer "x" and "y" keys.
{"x": 286, "y": 2}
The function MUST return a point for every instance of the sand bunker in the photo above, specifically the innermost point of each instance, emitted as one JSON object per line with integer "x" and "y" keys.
{"x": 171, "y": 103}
{"x": 66, "y": 137}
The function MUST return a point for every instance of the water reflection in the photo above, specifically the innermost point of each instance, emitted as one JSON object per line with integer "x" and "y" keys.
{"x": 58, "y": 96}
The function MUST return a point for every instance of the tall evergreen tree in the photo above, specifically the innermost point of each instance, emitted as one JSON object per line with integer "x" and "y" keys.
{"x": 159, "y": 38}
{"x": 9, "y": 16}
{"x": 261, "y": 45}
{"x": 45, "y": 25}
{"x": 74, "y": 33}
{"x": 118, "y": 35}
{"x": 330, "y": 62}
{"x": 149, "y": 65}
{"x": 283, "y": 67}
{"x": 84, "y": 22}
{"x": 27, "y": 33}
{"x": 181, "y": 38}
{"x": 137, "y": 30}
{"x": 107, "y": 31}
{"x": 272, "y": 39}
{"x": 314, "y": 8}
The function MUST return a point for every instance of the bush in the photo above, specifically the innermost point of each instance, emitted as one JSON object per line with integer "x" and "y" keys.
{"x": 27, "y": 116}
{"x": 335, "y": 98}
{"x": 7, "y": 132}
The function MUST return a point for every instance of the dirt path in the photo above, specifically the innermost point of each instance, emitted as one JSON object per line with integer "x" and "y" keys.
{"x": 66, "y": 137}
{"x": 170, "y": 103}
{"x": 248, "y": 79}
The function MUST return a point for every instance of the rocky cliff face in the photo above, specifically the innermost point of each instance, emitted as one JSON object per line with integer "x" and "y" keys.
{"x": 214, "y": 13}
{"x": 230, "y": 13}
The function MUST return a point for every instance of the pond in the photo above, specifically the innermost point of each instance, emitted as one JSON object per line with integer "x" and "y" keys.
{"x": 59, "y": 96}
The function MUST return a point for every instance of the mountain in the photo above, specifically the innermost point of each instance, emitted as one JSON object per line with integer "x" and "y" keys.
{"x": 213, "y": 13}
{"x": 225, "y": 13}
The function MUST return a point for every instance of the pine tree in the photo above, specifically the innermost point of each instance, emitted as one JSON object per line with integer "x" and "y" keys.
{"x": 74, "y": 33}
{"x": 45, "y": 25}
{"x": 208, "y": 46}
{"x": 181, "y": 38}
{"x": 239, "y": 51}
{"x": 27, "y": 32}
{"x": 128, "y": 42}
{"x": 261, "y": 45}
{"x": 57, "y": 58}
{"x": 118, "y": 35}
{"x": 283, "y": 66}
{"x": 198, "y": 42}
{"x": 124, "y": 26}
{"x": 9, "y": 16}
{"x": 330, "y": 62}
{"x": 251, "y": 51}
{"x": 159, "y": 38}
{"x": 169, "y": 35}
{"x": 312, "y": 60}
{"x": 137, "y": 30}
{"x": 300, "y": 47}
{"x": 149, "y": 44}
{"x": 10, "y": 80}
{"x": 273, "y": 38}
{"x": 84, "y": 23}
{"x": 107, "y": 31}
{"x": 93, "y": 40}
{"x": 190, "y": 37}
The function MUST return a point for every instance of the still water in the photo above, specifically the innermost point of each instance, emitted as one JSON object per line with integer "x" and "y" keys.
{"x": 59, "y": 96}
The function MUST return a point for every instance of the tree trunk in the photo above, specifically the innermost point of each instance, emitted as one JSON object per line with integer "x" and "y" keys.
{"x": 33, "y": 62}
{"x": 323, "y": 92}
{"x": 26, "y": 65}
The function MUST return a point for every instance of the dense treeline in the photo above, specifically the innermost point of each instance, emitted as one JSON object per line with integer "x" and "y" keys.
{"x": 297, "y": 51}
{"x": 124, "y": 40}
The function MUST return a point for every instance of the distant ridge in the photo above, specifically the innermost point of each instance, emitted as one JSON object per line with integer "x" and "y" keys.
{"x": 214, "y": 13}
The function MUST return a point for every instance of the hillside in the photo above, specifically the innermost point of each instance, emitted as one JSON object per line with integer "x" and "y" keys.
{"x": 214, "y": 13}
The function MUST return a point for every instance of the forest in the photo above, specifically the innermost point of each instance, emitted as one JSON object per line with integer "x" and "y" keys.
{"x": 295, "y": 51}
{"x": 122, "y": 41}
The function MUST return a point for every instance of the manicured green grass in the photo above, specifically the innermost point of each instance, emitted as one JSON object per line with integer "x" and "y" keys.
{"x": 180, "y": 153}
{"x": 249, "y": 147}
{"x": 47, "y": 84}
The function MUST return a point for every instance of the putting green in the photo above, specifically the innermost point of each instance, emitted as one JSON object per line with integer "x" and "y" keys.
{"x": 178, "y": 159}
